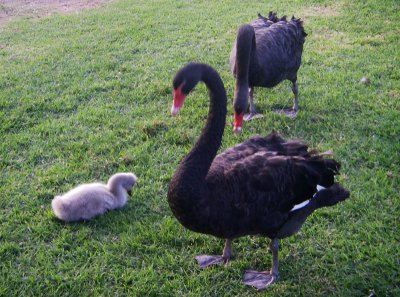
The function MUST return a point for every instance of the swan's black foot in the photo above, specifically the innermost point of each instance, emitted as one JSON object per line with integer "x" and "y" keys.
{"x": 289, "y": 112}
{"x": 206, "y": 260}
{"x": 259, "y": 280}
{"x": 252, "y": 116}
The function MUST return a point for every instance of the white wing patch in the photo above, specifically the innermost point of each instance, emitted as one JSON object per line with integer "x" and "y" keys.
{"x": 304, "y": 203}
{"x": 297, "y": 206}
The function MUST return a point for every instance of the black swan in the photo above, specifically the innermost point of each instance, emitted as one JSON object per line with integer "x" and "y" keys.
{"x": 89, "y": 200}
{"x": 265, "y": 52}
{"x": 264, "y": 186}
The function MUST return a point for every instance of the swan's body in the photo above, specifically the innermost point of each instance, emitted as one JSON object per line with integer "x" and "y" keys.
{"x": 89, "y": 200}
{"x": 265, "y": 52}
{"x": 260, "y": 186}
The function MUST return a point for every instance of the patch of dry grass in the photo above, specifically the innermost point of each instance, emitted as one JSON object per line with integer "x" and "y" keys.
{"x": 324, "y": 39}
{"x": 11, "y": 9}
{"x": 321, "y": 11}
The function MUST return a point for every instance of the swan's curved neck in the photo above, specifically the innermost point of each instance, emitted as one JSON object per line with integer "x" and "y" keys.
{"x": 116, "y": 188}
{"x": 206, "y": 147}
{"x": 188, "y": 186}
{"x": 245, "y": 55}
{"x": 245, "y": 49}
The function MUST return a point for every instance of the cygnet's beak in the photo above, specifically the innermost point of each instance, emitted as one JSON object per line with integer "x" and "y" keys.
{"x": 130, "y": 192}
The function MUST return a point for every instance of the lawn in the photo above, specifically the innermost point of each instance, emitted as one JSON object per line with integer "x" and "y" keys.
{"x": 86, "y": 94}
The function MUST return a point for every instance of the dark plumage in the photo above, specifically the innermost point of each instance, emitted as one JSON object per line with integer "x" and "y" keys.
{"x": 248, "y": 189}
{"x": 265, "y": 52}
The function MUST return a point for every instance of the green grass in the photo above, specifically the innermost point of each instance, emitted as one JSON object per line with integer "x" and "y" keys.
{"x": 85, "y": 95}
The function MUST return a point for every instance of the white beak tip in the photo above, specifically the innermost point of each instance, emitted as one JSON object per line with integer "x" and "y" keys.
{"x": 174, "y": 110}
{"x": 237, "y": 130}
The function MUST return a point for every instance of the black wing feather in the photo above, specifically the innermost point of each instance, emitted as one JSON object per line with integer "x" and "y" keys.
{"x": 259, "y": 181}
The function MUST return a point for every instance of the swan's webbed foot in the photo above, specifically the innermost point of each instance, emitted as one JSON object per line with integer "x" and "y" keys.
{"x": 289, "y": 112}
{"x": 263, "y": 279}
{"x": 207, "y": 260}
{"x": 259, "y": 280}
{"x": 251, "y": 116}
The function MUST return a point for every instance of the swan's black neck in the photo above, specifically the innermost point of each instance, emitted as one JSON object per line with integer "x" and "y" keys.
{"x": 245, "y": 44}
{"x": 245, "y": 52}
{"x": 188, "y": 187}
{"x": 209, "y": 142}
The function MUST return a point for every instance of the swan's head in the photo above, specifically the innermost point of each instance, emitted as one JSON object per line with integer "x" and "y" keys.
{"x": 240, "y": 103}
{"x": 184, "y": 82}
{"x": 126, "y": 180}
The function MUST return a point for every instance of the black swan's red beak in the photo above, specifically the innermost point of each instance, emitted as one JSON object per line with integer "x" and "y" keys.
{"x": 179, "y": 98}
{"x": 237, "y": 122}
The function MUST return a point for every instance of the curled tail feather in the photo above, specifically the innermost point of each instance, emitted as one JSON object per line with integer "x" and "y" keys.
{"x": 326, "y": 169}
{"x": 330, "y": 196}
{"x": 272, "y": 17}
